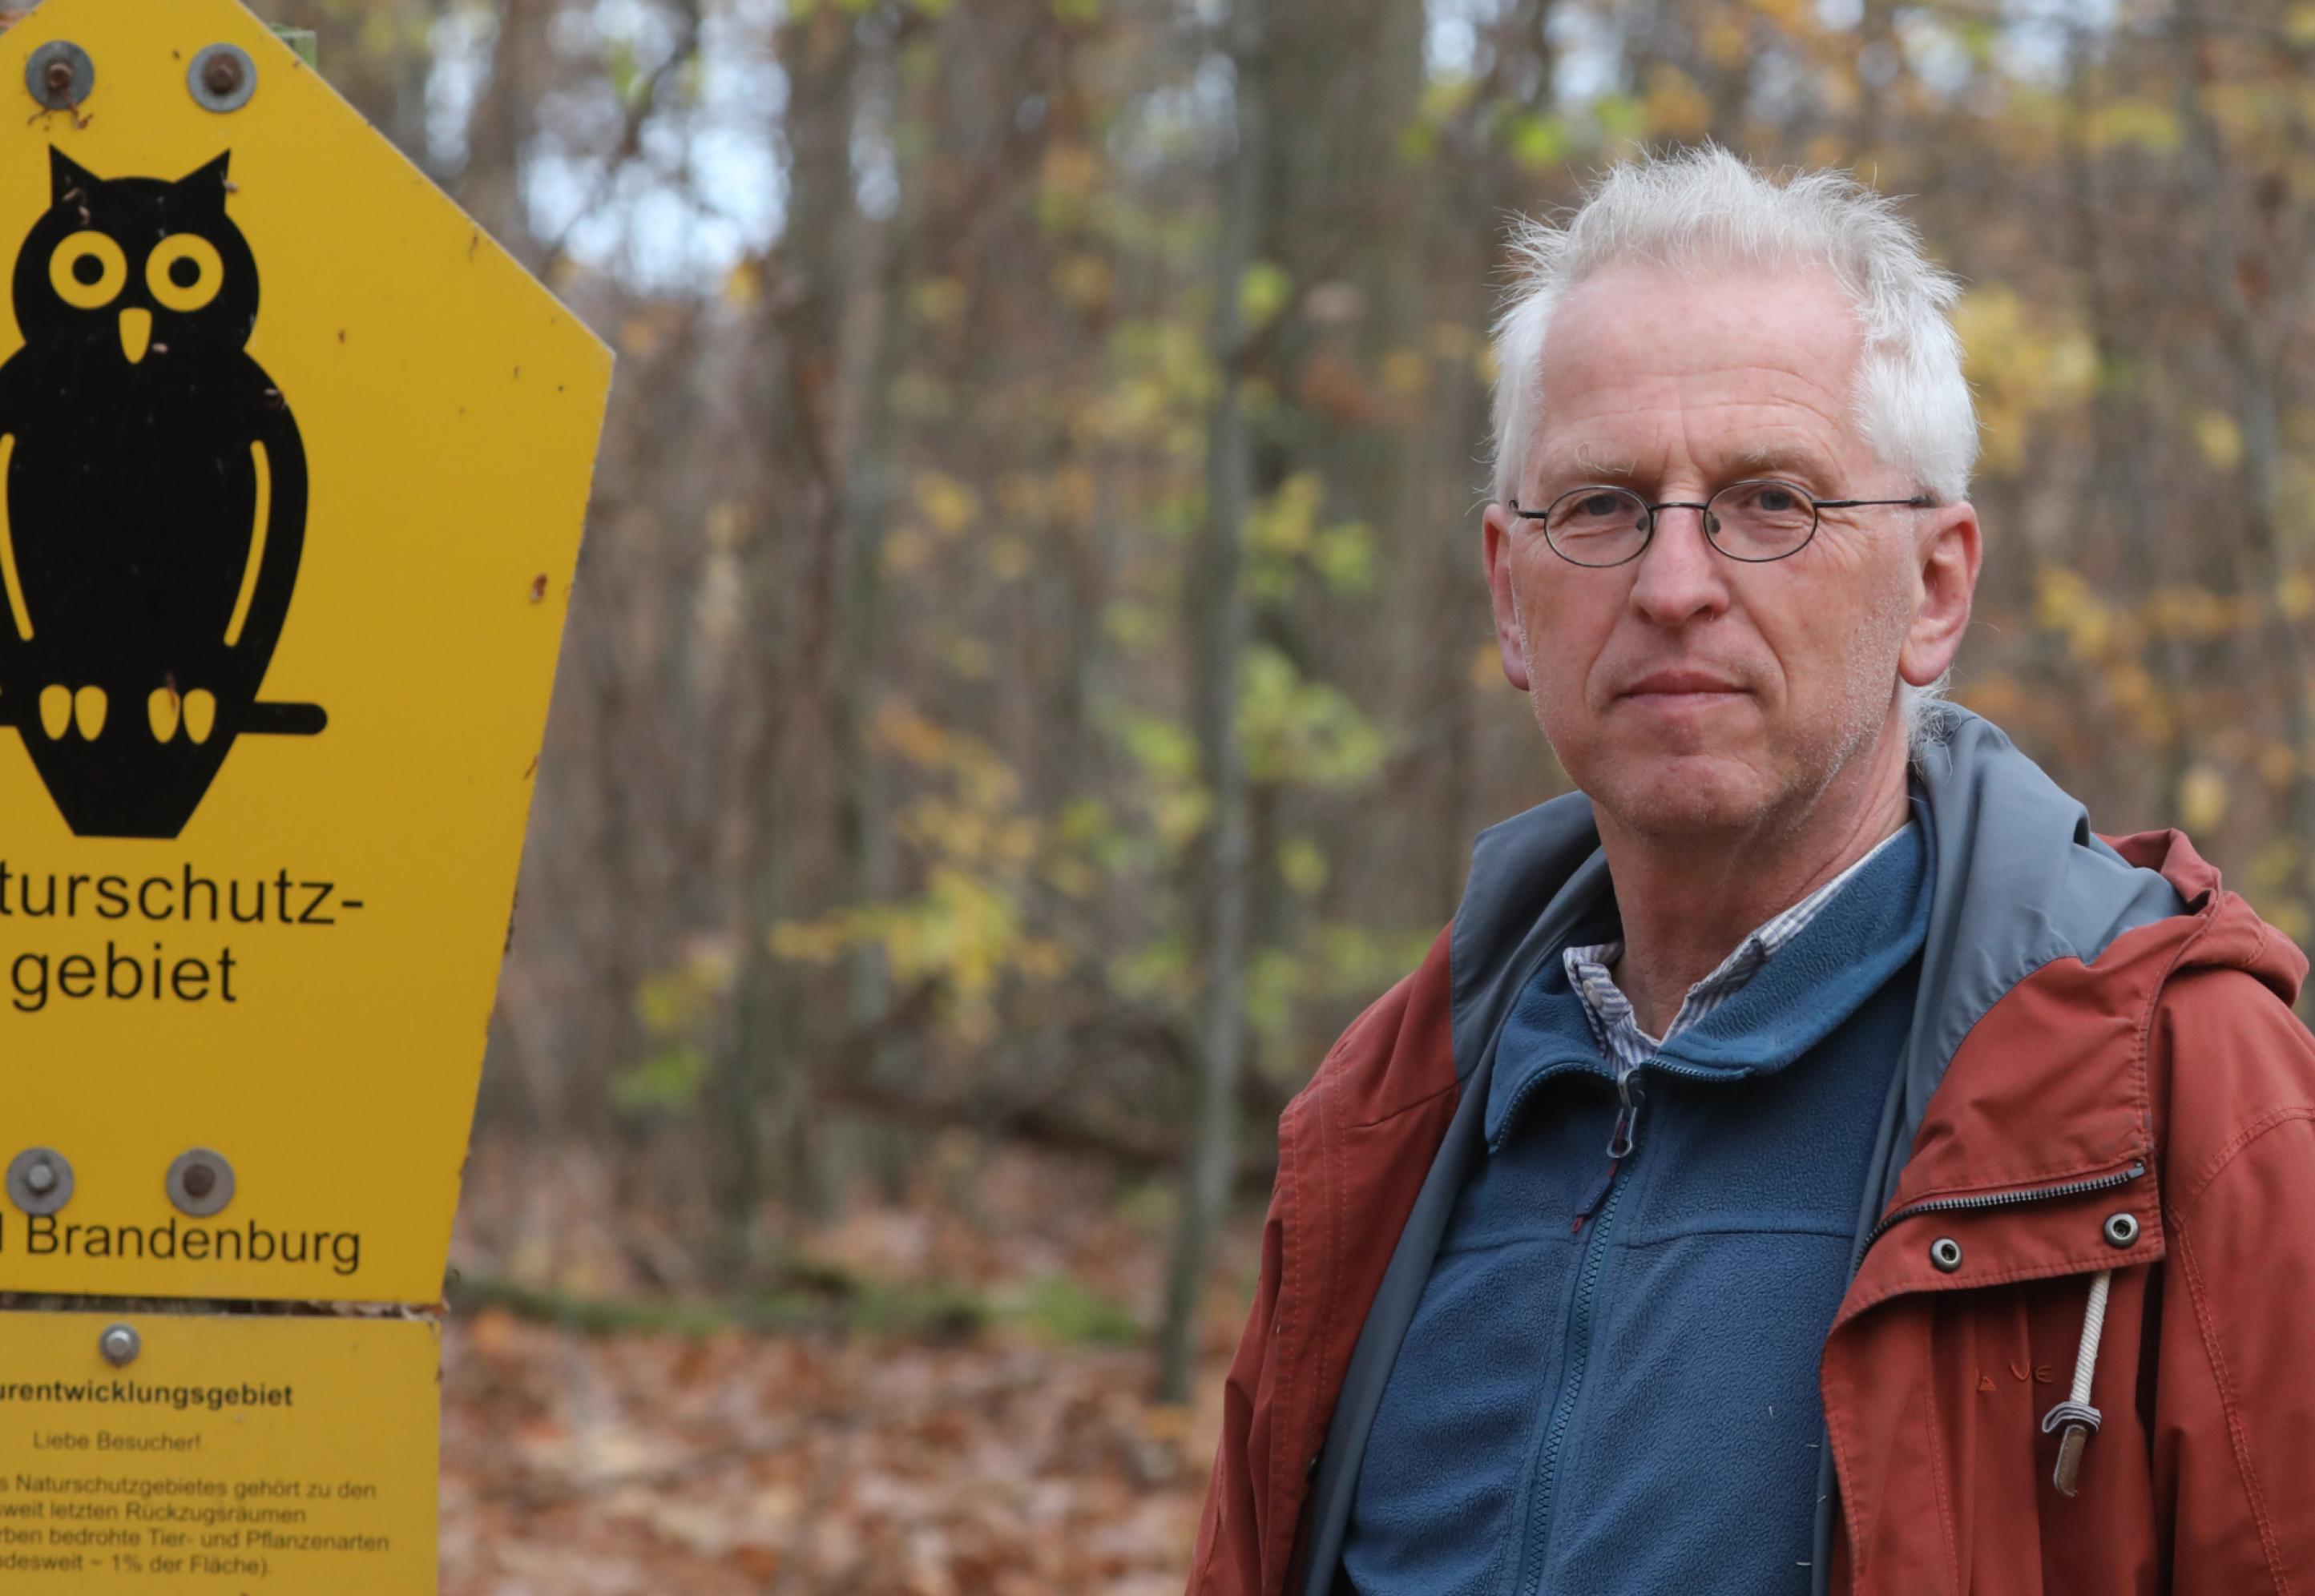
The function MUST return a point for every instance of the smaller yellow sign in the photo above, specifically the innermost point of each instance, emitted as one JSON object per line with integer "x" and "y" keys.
{"x": 241, "y": 1454}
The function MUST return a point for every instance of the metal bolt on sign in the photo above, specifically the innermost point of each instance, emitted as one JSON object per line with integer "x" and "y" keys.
{"x": 222, "y": 77}
{"x": 60, "y": 74}
{"x": 39, "y": 1180}
{"x": 119, "y": 1344}
{"x": 199, "y": 1181}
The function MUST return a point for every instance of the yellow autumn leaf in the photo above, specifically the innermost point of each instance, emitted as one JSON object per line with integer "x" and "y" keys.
{"x": 909, "y": 735}
{"x": 1675, "y": 108}
{"x": 2201, "y": 799}
{"x": 2219, "y": 440}
{"x": 1083, "y": 280}
{"x": 949, "y": 504}
{"x": 2296, "y": 593}
{"x": 743, "y": 285}
{"x": 1301, "y": 864}
{"x": 2027, "y": 363}
{"x": 1262, "y": 290}
{"x": 1723, "y": 38}
{"x": 905, "y": 549}
{"x": 1405, "y": 371}
{"x": 2277, "y": 762}
{"x": 939, "y": 300}
{"x": 811, "y": 941}
{"x": 2063, "y": 602}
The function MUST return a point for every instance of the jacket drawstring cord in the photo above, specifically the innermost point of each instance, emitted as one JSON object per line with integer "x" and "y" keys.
{"x": 2075, "y": 1415}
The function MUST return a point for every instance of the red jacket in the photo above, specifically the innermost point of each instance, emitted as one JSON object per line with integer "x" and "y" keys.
{"x": 2176, "y": 1050}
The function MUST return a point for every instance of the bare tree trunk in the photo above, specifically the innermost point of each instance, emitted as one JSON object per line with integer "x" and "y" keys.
{"x": 490, "y": 187}
{"x": 762, "y": 1075}
{"x": 2119, "y": 494}
{"x": 1219, "y": 619}
{"x": 878, "y": 350}
{"x": 2247, "y": 346}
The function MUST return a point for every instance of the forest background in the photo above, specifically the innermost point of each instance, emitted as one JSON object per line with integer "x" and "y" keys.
{"x": 1029, "y": 682}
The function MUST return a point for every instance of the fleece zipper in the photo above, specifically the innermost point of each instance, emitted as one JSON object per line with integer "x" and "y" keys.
{"x": 1581, "y": 1311}
{"x": 1596, "y": 1222}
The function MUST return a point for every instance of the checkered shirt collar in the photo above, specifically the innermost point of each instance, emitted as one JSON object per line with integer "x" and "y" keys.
{"x": 1622, "y": 1042}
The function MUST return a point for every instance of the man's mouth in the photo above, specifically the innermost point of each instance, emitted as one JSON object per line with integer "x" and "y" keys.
{"x": 1668, "y": 686}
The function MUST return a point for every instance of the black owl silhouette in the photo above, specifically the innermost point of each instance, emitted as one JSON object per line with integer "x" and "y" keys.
{"x": 155, "y": 500}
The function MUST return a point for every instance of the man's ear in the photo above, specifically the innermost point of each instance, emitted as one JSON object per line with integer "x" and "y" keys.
{"x": 1949, "y": 552}
{"x": 1511, "y": 631}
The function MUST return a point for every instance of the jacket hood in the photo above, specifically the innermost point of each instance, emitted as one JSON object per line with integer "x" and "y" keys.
{"x": 2233, "y": 935}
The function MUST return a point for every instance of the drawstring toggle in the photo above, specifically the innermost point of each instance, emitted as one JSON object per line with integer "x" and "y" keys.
{"x": 2075, "y": 1418}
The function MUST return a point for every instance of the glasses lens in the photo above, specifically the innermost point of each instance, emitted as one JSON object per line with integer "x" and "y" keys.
{"x": 1597, "y": 526}
{"x": 1760, "y": 520}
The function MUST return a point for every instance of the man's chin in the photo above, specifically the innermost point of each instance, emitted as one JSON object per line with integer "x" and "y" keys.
{"x": 1669, "y": 795}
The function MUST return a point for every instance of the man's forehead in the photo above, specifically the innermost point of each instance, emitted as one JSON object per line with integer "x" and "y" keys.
{"x": 1636, "y": 329}
{"x": 1746, "y": 370}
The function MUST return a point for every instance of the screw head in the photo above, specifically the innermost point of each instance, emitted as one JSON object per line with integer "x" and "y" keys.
{"x": 39, "y": 1180}
{"x": 2121, "y": 1229}
{"x": 1945, "y": 1252}
{"x": 221, "y": 78}
{"x": 199, "y": 1181}
{"x": 119, "y": 1344}
{"x": 60, "y": 74}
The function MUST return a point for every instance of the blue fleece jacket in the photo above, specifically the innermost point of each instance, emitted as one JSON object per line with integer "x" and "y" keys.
{"x": 1609, "y": 1384}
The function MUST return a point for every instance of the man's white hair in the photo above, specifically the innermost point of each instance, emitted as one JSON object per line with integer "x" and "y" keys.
{"x": 1707, "y": 206}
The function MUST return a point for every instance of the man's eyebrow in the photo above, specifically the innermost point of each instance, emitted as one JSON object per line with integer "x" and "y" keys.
{"x": 1585, "y": 463}
{"x": 1770, "y": 457}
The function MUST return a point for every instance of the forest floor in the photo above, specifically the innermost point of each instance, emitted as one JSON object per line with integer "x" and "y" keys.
{"x": 971, "y": 1412}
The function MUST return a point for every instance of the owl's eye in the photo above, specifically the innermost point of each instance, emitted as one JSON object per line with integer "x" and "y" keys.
{"x": 184, "y": 272}
{"x": 87, "y": 269}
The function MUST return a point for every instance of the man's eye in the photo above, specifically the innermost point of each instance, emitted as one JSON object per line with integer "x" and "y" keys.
{"x": 1600, "y": 505}
{"x": 1775, "y": 500}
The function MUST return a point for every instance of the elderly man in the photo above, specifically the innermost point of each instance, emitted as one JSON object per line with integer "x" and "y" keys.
{"x": 1813, "y": 1158}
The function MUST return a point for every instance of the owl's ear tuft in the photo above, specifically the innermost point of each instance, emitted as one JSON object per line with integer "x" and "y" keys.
{"x": 65, "y": 174}
{"x": 206, "y": 183}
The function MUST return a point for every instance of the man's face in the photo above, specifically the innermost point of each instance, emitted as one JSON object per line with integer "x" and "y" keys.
{"x": 1686, "y": 692}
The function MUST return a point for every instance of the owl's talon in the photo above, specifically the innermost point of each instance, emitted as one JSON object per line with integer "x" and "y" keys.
{"x": 88, "y": 712}
{"x": 161, "y": 710}
{"x": 201, "y": 713}
{"x": 56, "y": 710}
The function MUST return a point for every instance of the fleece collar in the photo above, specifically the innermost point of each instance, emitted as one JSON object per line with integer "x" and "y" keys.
{"x": 1814, "y": 982}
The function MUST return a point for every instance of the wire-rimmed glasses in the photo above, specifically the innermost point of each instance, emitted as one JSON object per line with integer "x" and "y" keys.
{"x": 1755, "y": 520}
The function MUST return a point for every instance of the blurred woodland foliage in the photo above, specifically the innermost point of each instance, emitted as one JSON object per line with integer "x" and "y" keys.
{"x": 1030, "y": 660}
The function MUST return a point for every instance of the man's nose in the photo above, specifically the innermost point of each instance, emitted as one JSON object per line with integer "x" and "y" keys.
{"x": 1680, "y": 574}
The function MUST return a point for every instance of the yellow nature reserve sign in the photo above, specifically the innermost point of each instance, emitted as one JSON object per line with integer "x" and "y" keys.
{"x": 229, "y": 1456}
{"x": 295, "y": 462}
